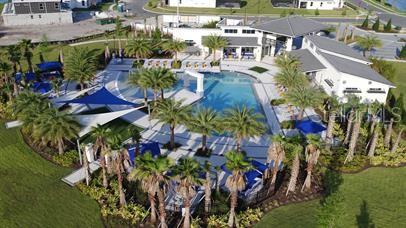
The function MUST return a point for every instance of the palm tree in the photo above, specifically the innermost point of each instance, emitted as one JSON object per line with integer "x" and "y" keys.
{"x": 243, "y": 122}
{"x": 187, "y": 173}
{"x": 207, "y": 189}
{"x": 276, "y": 153}
{"x": 312, "y": 152}
{"x": 118, "y": 33}
{"x": 81, "y": 65}
{"x": 355, "y": 133}
{"x": 174, "y": 46}
{"x": 374, "y": 140}
{"x": 294, "y": 149}
{"x": 238, "y": 165}
{"x": 100, "y": 135}
{"x": 290, "y": 78}
{"x": 55, "y": 126}
{"x": 28, "y": 106}
{"x": 398, "y": 139}
{"x": 205, "y": 121}
{"x": 135, "y": 137}
{"x": 367, "y": 43}
{"x": 26, "y": 48}
{"x": 353, "y": 102}
{"x": 138, "y": 79}
{"x": 214, "y": 42}
{"x": 140, "y": 48}
{"x": 303, "y": 97}
{"x": 172, "y": 112}
{"x": 43, "y": 47}
{"x": 158, "y": 79}
{"x": 5, "y": 69}
{"x": 115, "y": 148}
{"x": 287, "y": 61}
{"x": 14, "y": 56}
{"x": 152, "y": 175}
{"x": 388, "y": 133}
{"x": 332, "y": 106}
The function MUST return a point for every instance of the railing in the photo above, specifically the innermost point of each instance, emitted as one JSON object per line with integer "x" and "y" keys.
{"x": 352, "y": 91}
{"x": 376, "y": 91}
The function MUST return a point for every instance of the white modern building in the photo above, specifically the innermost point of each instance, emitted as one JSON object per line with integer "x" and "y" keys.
{"x": 320, "y": 4}
{"x": 203, "y": 3}
{"x": 81, "y": 3}
{"x": 36, "y": 12}
{"x": 340, "y": 70}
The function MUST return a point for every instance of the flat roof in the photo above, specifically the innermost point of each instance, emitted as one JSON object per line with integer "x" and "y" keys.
{"x": 291, "y": 26}
{"x": 355, "y": 68}
{"x": 240, "y": 41}
{"x": 309, "y": 62}
{"x": 331, "y": 45}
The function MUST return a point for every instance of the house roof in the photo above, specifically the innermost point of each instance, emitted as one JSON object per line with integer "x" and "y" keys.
{"x": 336, "y": 47}
{"x": 292, "y": 26}
{"x": 308, "y": 61}
{"x": 240, "y": 41}
{"x": 355, "y": 68}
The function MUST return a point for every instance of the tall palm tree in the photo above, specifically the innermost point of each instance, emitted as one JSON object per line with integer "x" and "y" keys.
{"x": 290, "y": 78}
{"x": 332, "y": 106}
{"x": 238, "y": 165}
{"x": 355, "y": 133}
{"x": 43, "y": 47}
{"x": 135, "y": 137}
{"x": 5, "y": 69}
{"x": 172, "y": 112}
{"x": 368, "y": 43}
{"x": 81, "y": 65}
{"x": 303, "y": 97}
{"x": 205, "y": 121}
{"x": 187, "y": 173}
{"x": 138, "y": 79}
{"x": 14, "y": 56}
{"x": 158, "y": 79}
{"x": 287, "y": 61}
{"x": 207, "y": 189}
{"x": 152, "y": 175}
{"x": 243, "y": 122}
{"x": 294, "y": 150}
{"x": 26, "y": 48}
{"x": 118, "y": 33}
{"x": 353, "y": 102}
{"x": 374, "y": 140}
{"x": 100, "y": 135}
{"x": 312, "y": 152}
{"x": 276, "y": 153}
{"x": 118, "y": 152}
{"x": 174, "y": 47}
{"x": 138, "y": 48}
{"x": 398, "y": 139}
{"x": 28, "y": 106}
{"x": 388, "y": 133}
{"x": 55, "y": 126}
{"x": 214, "y": 42}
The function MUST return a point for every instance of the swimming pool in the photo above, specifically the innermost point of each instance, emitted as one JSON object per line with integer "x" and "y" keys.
{"x": 221, "y": 90}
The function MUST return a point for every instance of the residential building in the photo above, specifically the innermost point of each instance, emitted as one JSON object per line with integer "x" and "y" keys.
{"x": 36, "y": 12}
{"x": 320, "y": 4}
{"x": 204, "y": 3}
{"x": 81, "y": 3}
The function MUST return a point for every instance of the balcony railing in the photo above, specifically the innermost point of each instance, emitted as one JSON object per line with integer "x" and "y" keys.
{"x": 376, "y": 91}
{"x": 352, "y": 91}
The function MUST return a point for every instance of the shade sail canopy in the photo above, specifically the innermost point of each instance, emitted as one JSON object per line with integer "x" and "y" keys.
{"x": 49, "y": 66}
{"x": 309, "y": 127}
{"x": 152, "y": 147}
{"x": 101, "y": 97}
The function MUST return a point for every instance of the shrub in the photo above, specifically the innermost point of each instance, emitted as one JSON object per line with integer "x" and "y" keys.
{"x": 6, "y": 110}
{"x": 376, "y": 25}
{"x": 402, "y": 53}
{"x": 215, "y": 63}
{"x": 277, "y": 102}
{"x": 177, "y": 64}
{"x": 317, "y": 12}
{"x": 365, "y": 23}
{"x": 217, "y": 221}
{"x": 388, "y": 26}
{"x": 287, "y": 124}
{"x": 258, "y": 69}
{"x": 249, "y": 217}
{"x": 210, "y": 24}
{"x": 283, "y": 14}
{"x": 67, "y": 159}
{"x": 344, "y": 13}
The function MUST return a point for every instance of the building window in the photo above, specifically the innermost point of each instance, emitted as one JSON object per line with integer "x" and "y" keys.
{"x": 32, "y": 16}
{"x": 321, "y": 4}
{"x": 56, "y": 5}
{"x": 311, "y": 3}
{"x": 351, "y": 90}
{"x": 329, "y": 82}
{"x": 230, "y": 30}
{"x": 41, "y": 6}
{"x": 248, "y": 31}
{"x": 39, "y": 16}
{"x": 375, "y": 90}
{"x": 83, "y": 3}
{"x": 311, "y": 45}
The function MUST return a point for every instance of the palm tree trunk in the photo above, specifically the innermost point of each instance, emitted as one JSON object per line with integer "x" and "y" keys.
{"x": 204, "y": 142}
{"x": 29, "y": 64}
{"x": 60, "y": 146}
{"x": 371, "y": 151}
{"x": 300, "y": 115}
{"x": 294, "y": 173}
{"x": 145, "y": 97}
{"x": 388, "y": 133}
{"x": 207, "y": 195}
{"x": 172, "y": 139}
{"x": 364, "y": 52}
{"x": 275, "y": 171}
{"x": 104, "y": 175}
{"x": 214, "y": 55}
{"x": 396, "y": 144}
{"x": 186, "y": 223}
{"x": 353, "y": 142}
{"x": 82, "y": 86}
{"x": 120, "y": 182}
{"x": 239, "y": 144}
{"x": 372, "y": 128}
{"x": 176, "y": 56}
{"x": 151, "y": 198}
{"x": 162, "y": 212}
{"x": 349, "y": 126}
{"x": 162, "y": 94}
{"x": 330, "y": 128}
{"x": 233, "y": 205}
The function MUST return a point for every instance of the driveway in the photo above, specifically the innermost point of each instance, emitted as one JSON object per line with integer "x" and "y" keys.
{"x": 136, "y": 7}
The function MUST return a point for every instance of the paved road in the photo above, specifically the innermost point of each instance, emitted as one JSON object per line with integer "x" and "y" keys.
{"x": 136, "y": 7}
{"x": 384, "y": 15}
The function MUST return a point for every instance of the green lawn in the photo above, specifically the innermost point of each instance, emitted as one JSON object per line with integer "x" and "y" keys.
{"x": 382, "y": 189}
{"x": 400, "y": 80}
{"x": 32, "y": 193}
{"x": 252, "y": 7}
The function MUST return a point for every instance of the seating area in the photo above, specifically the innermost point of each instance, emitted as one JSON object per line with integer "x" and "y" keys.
{"x": 165, "y": 63}
{"x": 199, "y": 66}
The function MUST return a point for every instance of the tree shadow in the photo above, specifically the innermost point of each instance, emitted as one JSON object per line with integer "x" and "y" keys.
{"x": 364, "y": 219}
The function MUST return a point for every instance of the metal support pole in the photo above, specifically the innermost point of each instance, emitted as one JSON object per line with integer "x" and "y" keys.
{"x": 149, "y": 116}
{"x": 80, "y": 154}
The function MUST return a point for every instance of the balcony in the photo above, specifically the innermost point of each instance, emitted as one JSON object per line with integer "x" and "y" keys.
{"x": 376, "y": 91}
{"x": 329, "y": 82}
{"x": 352, "y": 91}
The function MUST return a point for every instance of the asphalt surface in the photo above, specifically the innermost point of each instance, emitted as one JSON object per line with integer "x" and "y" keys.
{"x": 383, "y": 15}
{"x": 136, "y": 7}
